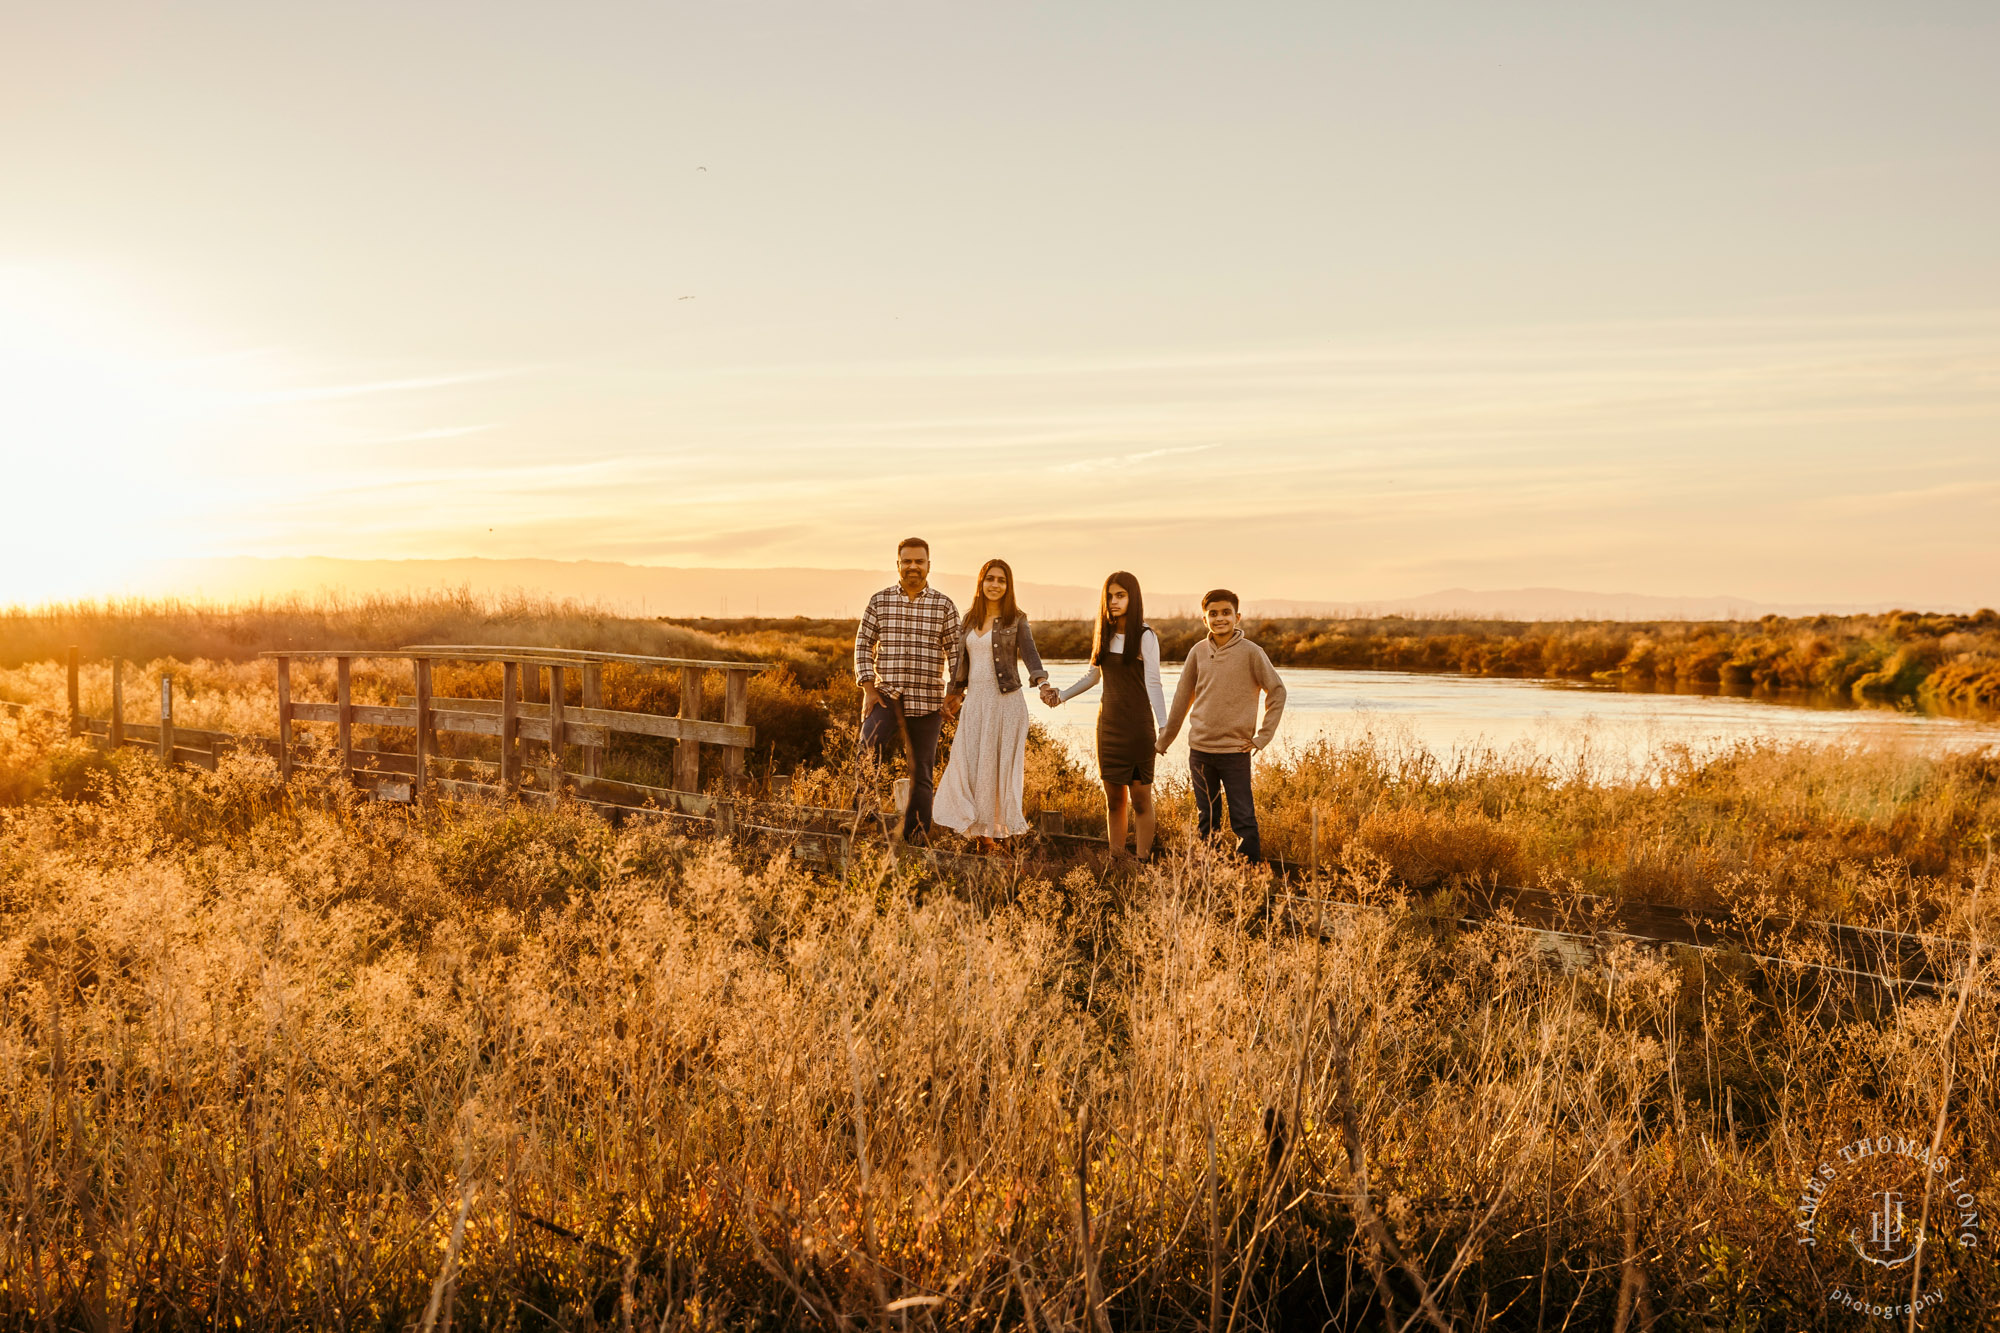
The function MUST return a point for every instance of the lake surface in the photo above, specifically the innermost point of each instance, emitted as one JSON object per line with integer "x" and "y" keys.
{"x": 1449, "y": 715}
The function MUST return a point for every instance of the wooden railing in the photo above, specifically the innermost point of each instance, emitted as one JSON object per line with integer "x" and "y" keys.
{"x": 524, "y": 713}
{"x": 173, "y": 744}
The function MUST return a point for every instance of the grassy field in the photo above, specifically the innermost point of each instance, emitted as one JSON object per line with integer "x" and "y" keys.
{"x": 271, "y": 1057}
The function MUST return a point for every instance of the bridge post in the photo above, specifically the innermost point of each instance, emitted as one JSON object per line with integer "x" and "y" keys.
{"x": 344, "y": 725}
{"x": 510, "y": 727}
{"x": 117, "y": 736}
{"x": 735, "y": 711}
{"x": 593, "y": 697}
{"x": 426, "y": 742}
{"x": 166, "y": 719}
{"x": 284, "y": 719}
{"x": 556, "y": 728}
{"x": 687, "y": 750}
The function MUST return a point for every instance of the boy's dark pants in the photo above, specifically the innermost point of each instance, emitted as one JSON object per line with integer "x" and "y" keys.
{"x": 1230, "y": 773}
{"x": 881, "y": 736}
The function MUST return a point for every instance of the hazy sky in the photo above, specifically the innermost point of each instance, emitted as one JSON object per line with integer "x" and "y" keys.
{"x": 1311, "y": 299}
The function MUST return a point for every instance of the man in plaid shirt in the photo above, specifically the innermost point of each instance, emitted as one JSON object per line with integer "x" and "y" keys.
{"x": 904, "y": 652}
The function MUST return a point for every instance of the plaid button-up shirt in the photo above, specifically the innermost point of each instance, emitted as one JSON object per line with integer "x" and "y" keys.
{"x": 908, "y": 646}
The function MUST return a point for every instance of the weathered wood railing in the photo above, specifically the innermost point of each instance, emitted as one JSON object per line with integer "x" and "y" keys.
{"x": 523, "y": 713}
{"x": 174, "y": 744}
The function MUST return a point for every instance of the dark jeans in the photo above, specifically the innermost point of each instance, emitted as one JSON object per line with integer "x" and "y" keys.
{"x": 880, "y": 736}
{"x": 1230, "y": 773}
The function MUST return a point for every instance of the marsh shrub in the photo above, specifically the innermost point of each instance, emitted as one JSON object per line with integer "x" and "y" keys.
{"x": 1430, "y": 847}
{"x": 262, "y": 1049}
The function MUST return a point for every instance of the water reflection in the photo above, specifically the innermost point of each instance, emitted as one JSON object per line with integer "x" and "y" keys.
{"x": 1615, "y": 728}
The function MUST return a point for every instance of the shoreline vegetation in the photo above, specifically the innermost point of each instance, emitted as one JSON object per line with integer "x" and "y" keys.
{"x": 1941, "y": 661}
{"x": 1944, "y": 661}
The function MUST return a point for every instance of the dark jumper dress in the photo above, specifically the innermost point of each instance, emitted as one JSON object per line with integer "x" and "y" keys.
{"x": 1126, "y": 727}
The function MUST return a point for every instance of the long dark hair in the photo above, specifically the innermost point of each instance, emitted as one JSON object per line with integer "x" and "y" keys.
{"x": 1009, "y": 609}
{"x": 1135, "y": 619}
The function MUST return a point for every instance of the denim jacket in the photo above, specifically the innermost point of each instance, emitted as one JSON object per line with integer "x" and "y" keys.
{"x": 1013, "y": 643}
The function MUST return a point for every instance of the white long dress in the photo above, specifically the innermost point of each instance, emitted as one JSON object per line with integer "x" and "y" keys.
{"x": 980, "y": 795}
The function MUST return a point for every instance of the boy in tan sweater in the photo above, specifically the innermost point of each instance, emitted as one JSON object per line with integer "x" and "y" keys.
{"x": 1220, "y": 682}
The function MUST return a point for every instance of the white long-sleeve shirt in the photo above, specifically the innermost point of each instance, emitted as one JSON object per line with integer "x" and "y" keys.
{"x": 1149, "y": 653}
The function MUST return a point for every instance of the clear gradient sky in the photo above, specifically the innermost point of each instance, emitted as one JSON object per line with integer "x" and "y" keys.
{"x": 1317, "y": 300}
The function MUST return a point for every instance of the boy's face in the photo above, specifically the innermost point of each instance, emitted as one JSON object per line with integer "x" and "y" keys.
{"x": 1221, "y": 618}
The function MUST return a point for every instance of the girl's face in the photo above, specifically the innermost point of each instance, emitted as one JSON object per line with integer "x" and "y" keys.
{"x": 994, "y": 585}
{"x": 1117, "y": 599}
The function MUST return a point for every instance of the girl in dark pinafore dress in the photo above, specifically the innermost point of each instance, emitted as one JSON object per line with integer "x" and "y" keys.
{"x": 1125, "y": 655}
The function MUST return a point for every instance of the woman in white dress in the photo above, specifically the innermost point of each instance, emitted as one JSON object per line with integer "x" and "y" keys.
{"x": 980, "y": 794}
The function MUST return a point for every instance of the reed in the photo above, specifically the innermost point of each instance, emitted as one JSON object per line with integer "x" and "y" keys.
{"x": 275, "y": 1057}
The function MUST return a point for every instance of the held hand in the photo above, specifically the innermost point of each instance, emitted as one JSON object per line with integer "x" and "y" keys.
{"x": 952, "y": 703}
{"x": 871, "y": 698}
{"x": 1051, "y": 695}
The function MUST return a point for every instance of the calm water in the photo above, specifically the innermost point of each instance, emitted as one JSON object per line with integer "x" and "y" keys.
{"x": 1448, "y": 715}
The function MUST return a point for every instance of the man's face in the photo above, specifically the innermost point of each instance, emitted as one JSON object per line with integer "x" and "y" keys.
{"x": 1221, "y": 618}
{"x": 913, "y": 567}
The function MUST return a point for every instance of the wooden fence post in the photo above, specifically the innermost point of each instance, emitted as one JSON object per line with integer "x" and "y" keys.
{"x": 687, "y": 750}
{"x": 735, "y": 711}
{"x": 75, "y": 698}
{"x": 284, "y": 719}
{"x": 556, "y": 737}
{"x": 1315, "y": 847}
{"x": 593, "y": 697}
{"x": 166, "y": 719}
{"x": 344, "y": 702}
{"x": 510, "y": 727}
{"x": 117, "y": 737}
{"x": 425, "y": 741}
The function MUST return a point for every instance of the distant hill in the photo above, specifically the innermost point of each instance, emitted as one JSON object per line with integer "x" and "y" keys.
{"x": 1563, "y": 604}
{"x": 667, "y": 591}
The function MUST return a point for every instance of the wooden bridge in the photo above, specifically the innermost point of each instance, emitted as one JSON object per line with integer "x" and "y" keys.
{"x": 543, "y": 744}
{"x": 525, "y": 712}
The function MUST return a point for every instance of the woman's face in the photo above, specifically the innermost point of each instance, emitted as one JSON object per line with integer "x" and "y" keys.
{"x": 1117, "y": 599}
{"x": 994, "y": 585}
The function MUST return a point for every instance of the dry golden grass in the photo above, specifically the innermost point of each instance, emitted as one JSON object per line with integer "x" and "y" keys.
{"x": 167, "y": 629}
{"x": 272, "y": 1058}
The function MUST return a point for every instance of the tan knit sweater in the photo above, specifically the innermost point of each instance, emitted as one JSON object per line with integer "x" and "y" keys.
{"x": 1221, "y": 685}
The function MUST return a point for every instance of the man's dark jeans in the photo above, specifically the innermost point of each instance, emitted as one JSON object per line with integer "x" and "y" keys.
{"x": 1231, "y": 774}
{"x": 881, "y": 736}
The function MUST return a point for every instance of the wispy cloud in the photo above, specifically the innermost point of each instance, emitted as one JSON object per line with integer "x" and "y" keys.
{"x": 369, "y": 388}
{"x": 1122, "y": 461}
{"x": 434, "y": 433}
